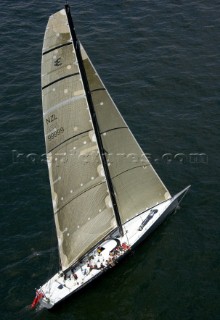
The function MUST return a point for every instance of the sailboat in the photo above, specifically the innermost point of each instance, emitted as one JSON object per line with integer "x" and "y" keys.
{"x": 106, "y": 195}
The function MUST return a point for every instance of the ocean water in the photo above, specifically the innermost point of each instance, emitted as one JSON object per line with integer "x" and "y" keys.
{"x": 160, "y": 60}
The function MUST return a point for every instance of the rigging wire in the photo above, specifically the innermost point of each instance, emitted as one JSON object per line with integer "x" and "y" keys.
{"x": 178, "y": 206}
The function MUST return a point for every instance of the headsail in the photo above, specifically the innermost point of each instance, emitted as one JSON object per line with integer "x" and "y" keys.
{"x": 136, "y": 184}
{"x": 82, "y": 206}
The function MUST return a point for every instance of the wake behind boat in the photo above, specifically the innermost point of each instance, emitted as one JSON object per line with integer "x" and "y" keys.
{"x": 106, "y": 195}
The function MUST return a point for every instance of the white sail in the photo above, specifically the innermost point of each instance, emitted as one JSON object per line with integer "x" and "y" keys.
{"x": 82, "y": 207}
{"x": 137, "y": 186}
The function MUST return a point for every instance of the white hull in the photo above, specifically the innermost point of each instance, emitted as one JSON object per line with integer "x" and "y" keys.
{"x": 58, "y": 289}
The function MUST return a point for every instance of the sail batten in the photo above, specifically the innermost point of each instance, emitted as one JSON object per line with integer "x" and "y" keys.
{"x": 133, "y": 168}
{"x": 57, "y": 47}
{"x": 113, "y": 129}
{"x": 65, "y": 141}
{"x": 98, "y": 89}
{"x": 60, "y": 79}
{"x": 78, "y": 195}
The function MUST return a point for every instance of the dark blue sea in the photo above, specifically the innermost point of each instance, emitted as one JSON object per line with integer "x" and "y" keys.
{"x": 160, "y": 61}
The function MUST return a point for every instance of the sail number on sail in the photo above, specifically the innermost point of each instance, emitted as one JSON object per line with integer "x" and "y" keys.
{"x": 55, "y": 133}
{"x": 51, "y": 118}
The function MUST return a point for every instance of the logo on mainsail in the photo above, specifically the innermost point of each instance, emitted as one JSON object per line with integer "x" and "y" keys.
{"x": 57, "y": 62}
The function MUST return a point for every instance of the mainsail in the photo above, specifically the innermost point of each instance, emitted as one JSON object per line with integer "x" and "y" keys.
{"x": 82, "y": 206}
{"x": 82, "y": 201}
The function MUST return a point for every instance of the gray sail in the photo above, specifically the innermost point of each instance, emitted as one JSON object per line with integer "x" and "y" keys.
{"x": 81, "y": 203}
{"x": 137, "y": 186}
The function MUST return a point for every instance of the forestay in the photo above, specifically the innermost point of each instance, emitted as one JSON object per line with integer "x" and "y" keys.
{"x": 137, "y": 186}
{"x": 82, "y": 206}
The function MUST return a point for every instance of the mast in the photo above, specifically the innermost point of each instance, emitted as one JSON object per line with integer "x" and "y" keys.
{"x": 94, "y": 118}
